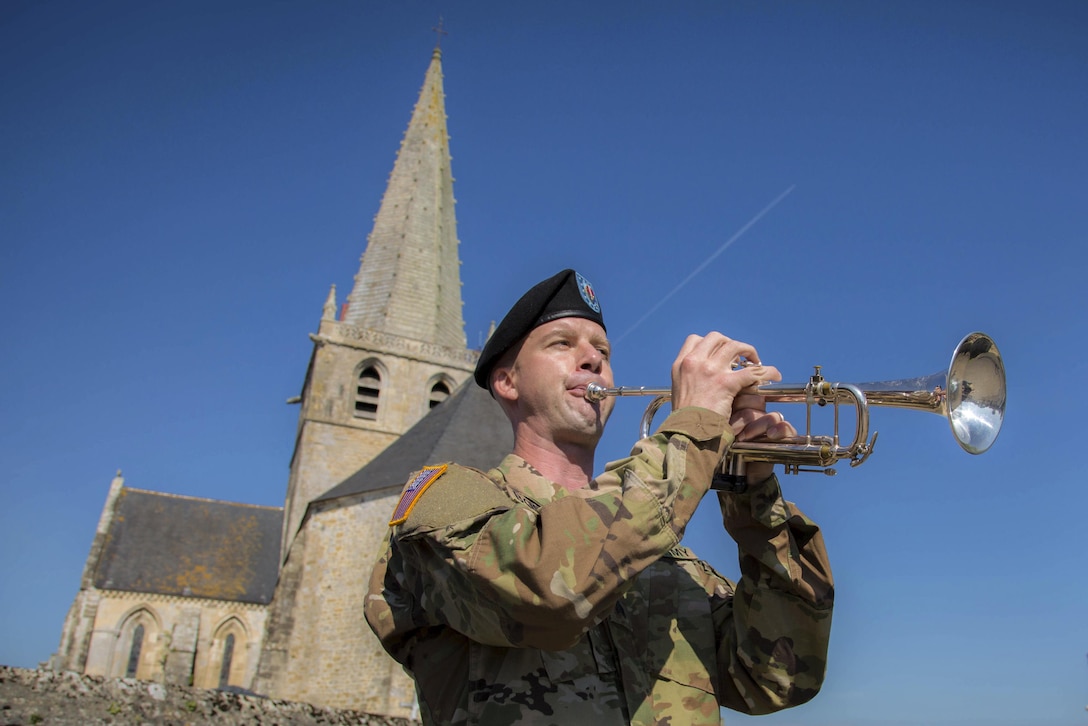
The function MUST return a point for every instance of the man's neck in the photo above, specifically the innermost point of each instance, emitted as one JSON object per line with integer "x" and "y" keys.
{"x": 568, "y": 465}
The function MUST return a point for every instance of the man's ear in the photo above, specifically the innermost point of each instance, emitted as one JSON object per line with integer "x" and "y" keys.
{"x": 504, "y": 384}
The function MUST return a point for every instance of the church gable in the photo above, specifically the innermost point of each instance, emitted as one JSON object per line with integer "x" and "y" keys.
{"x": 171, "y": 545}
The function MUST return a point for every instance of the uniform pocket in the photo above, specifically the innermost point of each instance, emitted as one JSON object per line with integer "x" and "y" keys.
{"x": 570, "y": 665}
{"x": 681, "y": 642}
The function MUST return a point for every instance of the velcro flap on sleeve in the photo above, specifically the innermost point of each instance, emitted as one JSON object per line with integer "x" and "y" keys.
{"x": 461, "y": 493}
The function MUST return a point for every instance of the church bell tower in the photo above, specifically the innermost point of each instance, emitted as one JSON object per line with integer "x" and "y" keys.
{"x": 397, "y": 346}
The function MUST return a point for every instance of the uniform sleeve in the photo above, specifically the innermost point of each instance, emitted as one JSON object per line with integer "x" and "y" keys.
{"x": 539, "y": 577}
{"x": 773, "y": 630}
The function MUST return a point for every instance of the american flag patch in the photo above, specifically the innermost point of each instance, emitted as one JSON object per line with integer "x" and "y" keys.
{"x": 413, "y": 490}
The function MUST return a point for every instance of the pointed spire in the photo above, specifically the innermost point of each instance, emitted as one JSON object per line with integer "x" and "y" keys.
{"x": 409, "y": 281}
{"x": 328, "y": 312}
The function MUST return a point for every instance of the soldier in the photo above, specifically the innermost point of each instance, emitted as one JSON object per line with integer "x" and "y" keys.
{"x": 538, "y": 594}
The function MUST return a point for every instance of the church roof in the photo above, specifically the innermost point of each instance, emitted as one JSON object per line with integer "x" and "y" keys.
{"x": 468, "y": 428}
{"x": 409, "y": 279}
{"x": 173, "y": 545}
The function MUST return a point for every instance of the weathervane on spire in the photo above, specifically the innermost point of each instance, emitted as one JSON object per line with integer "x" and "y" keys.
{"x": 440, "y": 32}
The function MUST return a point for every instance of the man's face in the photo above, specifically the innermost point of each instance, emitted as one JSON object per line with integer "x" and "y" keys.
{"x": 546, "y": 382}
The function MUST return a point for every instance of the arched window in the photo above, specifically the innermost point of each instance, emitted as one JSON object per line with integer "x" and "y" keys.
{"x": 367, "y": 391}
{"x": 134, "y": 651}
{"x": 227, "y": 662}
{"x": 439, "y": 392}
{"x": 228, "y": 656}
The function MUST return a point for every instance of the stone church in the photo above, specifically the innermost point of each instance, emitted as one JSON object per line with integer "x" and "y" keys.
{"x": 215, "y": 594}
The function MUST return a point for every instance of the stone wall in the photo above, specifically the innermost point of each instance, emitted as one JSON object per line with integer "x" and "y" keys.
{"x": 183, "y": 638}
{"x": 318, "y": 647}
{"x": 68, "y": 699}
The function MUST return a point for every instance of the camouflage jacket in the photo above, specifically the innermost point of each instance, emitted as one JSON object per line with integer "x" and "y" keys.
{"x": 513, "y": 601}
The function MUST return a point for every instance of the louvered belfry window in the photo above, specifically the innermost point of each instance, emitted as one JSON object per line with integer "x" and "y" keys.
{"x": 439, "y": 393}
{"x": 367, "y": 392}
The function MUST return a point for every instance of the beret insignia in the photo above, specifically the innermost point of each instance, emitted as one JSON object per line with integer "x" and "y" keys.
{"x": 587, "y": 293}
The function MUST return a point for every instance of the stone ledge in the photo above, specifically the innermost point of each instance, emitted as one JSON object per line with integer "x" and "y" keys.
{"x": 29, "y": 697}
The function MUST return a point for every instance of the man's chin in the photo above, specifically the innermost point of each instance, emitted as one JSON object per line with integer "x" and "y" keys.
{"x": 585, "y": 432}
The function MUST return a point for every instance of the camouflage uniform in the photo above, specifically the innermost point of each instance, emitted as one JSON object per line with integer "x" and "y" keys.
{"x": 514, "y": 601}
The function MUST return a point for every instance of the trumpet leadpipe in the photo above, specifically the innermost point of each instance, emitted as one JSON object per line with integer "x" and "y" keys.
{"x": 597, "y": 392}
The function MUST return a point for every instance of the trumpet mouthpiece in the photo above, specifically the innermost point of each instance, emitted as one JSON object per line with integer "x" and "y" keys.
{"x": 595, "y": 392}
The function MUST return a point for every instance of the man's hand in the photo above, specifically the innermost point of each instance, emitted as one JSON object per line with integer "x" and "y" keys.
{"x": 751, "y": 421}
{"x": 708, "y": 372}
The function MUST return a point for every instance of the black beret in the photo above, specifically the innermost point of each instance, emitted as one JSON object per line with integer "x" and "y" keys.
{"x": 565, "y": 295}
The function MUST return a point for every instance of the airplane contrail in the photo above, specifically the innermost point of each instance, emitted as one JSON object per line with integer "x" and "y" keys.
{"x": 737, "y": 235}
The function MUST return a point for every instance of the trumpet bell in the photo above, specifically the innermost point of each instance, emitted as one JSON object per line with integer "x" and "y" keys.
{"x": 976, "y": 393}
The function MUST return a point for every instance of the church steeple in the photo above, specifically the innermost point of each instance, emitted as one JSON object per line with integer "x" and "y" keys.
{"x": 398, "y": 350}
{"x": 409, "y": 281}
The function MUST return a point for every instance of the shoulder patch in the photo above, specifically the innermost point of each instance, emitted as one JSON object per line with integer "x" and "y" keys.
{"x": 413, "y": 490}
{"x": 462, "y": 494}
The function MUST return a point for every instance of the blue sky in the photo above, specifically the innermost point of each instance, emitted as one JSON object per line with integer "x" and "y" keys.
{"x": 181, "y": 182}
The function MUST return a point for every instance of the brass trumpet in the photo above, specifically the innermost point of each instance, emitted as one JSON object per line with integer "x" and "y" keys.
{"x": 970, "y": 394}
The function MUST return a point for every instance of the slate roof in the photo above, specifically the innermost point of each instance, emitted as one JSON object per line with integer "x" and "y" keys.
{"x": 173, "y": 545}
{"x": 469, "y": 428}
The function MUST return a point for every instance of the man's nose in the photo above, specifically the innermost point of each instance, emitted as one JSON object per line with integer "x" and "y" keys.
{"x": 591, "y": 358}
